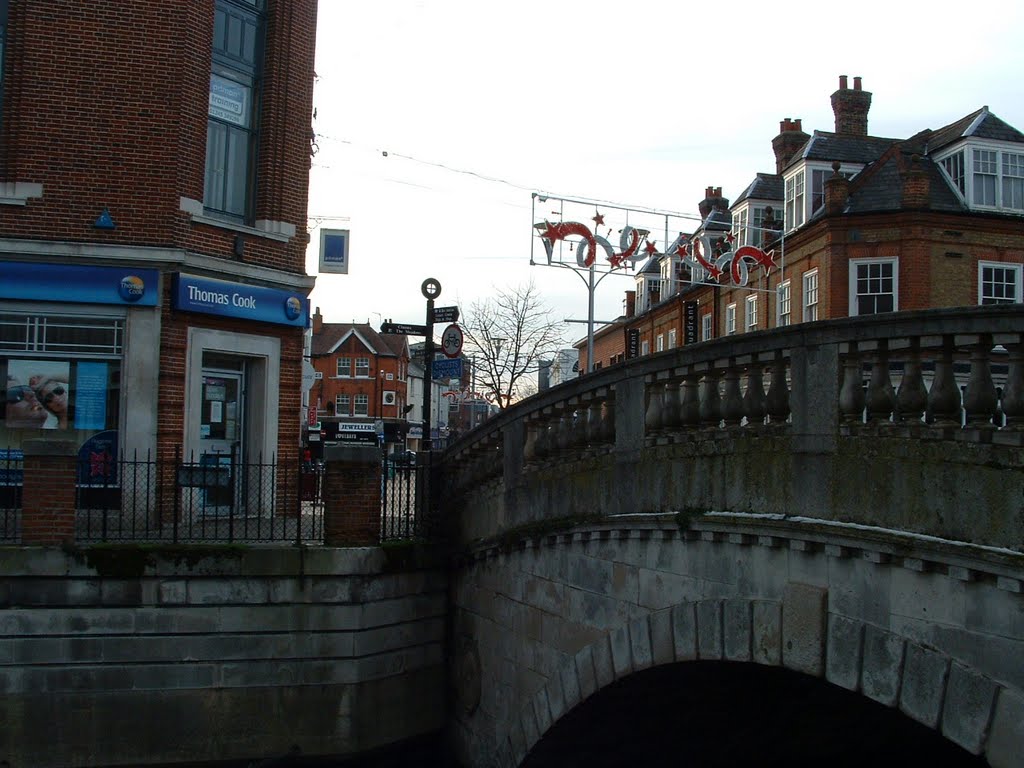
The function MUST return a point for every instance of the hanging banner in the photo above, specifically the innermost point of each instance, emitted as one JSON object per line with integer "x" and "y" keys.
{"x": 690, "y": 322}
{"x": 632, "y": 343}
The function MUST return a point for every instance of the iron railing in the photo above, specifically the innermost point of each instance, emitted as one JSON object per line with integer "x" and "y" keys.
{"x": 405, "y": 489}
{"x": 11, "y": 463}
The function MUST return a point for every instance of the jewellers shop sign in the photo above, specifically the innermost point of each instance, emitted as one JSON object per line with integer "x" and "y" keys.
{"x": 239, "y": 300}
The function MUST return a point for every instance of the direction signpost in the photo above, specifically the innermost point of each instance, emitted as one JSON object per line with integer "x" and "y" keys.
{"x": 407, "y": 328}
{"x": 446, "y": 314}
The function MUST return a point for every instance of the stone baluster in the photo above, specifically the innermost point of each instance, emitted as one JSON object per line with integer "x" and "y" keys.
{"x": 732, "y": 398}
{"x": 778, "y": 391}
{"x": 530, "y": 443}
{"x": 944, "y": 396}
{"x": 880, "y": 398}
{"x": 755, "y": 403}
{"x": 980, "y": 399}
{"x": 710, "y": 400}
{"x": 543, "y": 445}
{"x": 594, "y": 417}
{"x": 580, "y": 426}
{"x": 912, "y": 396}
{"x": 851, "y": 394}
{"x": 1013, "y": 390}
{"x": 689, "y": 406}
{"x": 608, "y": 418}
{"x": 564, "y": 431}
{"x": 670, "y": 406}
{"x": 655, "y": 407}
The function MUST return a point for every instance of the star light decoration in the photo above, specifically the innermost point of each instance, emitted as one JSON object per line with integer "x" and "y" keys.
{"x": 696, "y": 251}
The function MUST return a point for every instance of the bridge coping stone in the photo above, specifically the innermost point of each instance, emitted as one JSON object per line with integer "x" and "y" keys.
{"x": 844, "y": 652}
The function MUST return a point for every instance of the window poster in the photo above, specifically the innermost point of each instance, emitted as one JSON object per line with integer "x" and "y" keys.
{"x": 38, "y": 394}
{"x": 91, "y": 395}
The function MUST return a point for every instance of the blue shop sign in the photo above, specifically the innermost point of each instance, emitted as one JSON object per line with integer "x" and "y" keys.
{"x": 29, "y": 281}
{"x": 247, "y": 302}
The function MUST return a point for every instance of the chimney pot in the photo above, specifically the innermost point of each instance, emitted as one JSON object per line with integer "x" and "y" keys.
{"x": 856, "y": 83}
{"x": 842, "y": 83}
{"x": 798, "y": 126}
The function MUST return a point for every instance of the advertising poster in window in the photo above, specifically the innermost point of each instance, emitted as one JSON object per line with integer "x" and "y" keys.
{"x": 91, "y": 396}
{"x": 38, "y": 394}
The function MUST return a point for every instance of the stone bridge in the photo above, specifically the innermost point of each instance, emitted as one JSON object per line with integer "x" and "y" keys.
{"x": 840, "y": 501}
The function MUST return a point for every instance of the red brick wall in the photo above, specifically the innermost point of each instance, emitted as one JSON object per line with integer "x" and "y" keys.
{"x": 105, "y": 105}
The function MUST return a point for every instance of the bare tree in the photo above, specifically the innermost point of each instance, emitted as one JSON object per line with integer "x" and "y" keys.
{"x": 508, "y": 335}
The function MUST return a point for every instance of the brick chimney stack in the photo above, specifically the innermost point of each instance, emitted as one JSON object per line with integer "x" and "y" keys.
{"x": 916, "y": 186}
{"x": 837, "y": 191}
{"x": 712, "y": 199}
{"x": 789, "y": 141}
{"x": 851, "y": 108}
{"x": 318, "y": 321}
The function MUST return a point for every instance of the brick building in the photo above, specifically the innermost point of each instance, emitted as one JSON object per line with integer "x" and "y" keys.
{"x": 362, "y": 379}
{"x": 858, "y": 224}
{"x": 154, "y": 162}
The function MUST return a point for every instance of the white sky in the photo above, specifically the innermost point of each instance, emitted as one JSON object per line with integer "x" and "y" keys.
{"x": 642, "y": 103}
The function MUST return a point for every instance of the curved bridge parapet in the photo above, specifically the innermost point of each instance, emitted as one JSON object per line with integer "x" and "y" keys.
{"x": 909, "y": 422}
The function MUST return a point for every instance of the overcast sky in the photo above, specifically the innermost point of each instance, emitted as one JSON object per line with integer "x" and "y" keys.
{"x": 643, "y": 104}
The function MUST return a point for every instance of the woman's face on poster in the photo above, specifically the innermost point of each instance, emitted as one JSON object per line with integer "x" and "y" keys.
{"x": 23, "y": 408}
{"x": 54, "y": 395}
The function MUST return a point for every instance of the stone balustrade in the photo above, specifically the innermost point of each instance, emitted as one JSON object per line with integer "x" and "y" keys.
{"x": 783, "y": 421}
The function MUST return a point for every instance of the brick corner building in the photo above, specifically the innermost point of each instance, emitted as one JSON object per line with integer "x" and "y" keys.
{"x": 154, "y": 165}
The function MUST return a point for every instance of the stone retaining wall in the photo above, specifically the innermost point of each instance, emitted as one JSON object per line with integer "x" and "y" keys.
{"x": 133, "y": 656}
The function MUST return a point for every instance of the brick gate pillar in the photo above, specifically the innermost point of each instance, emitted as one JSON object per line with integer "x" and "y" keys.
{"x": 48, "y": 492}
{"x": 352, "y": 488}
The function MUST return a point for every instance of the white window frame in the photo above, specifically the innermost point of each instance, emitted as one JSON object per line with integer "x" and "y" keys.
{"x": 362, "y": 367}
{"x": 855, "y": 264}
{"x": 672, "y": 339}
{"x": 751, "y": 310}
{"x": 784, "y": 305}
{"x": 645, "y": 347}
{"x": 811, "y": 295}
{"x": 361, "y": 400}
{"x": 339, "y": 408}
{"x": 659, "y": 342}
{"x": 730, "y": 319}
{"x": 740, "y": 229}
{"x": 963, "y": 170}
{"x": 1016, "y": 269}
{"x": 795, "y": 199}
{"x": 343, "y": 367}
{"x": 706, "y": 327}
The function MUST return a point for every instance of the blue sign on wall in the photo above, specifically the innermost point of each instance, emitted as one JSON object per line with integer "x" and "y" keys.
{"x": 247, "y": 302}
{"x": 85, "y": 285}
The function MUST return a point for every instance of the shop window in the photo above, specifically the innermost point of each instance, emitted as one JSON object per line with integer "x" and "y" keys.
{"x": 61, "y": 373}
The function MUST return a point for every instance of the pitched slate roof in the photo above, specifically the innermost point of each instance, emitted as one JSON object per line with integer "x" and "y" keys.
{"x": 842, "y": 147}
{"x": 332, "y": 334}
{"x": 978, "y": 125}
{"x": 765, "y": 186}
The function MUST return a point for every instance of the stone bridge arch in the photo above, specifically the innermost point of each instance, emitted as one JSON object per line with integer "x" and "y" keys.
{"x": 552, "y": 620}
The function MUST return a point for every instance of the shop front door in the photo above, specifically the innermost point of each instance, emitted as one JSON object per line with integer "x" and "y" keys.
{"x": 221, "y": 440}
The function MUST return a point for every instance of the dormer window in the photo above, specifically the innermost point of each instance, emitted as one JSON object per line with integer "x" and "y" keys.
{"x": 987, "y": 177}
{"x": 800, "y": 206}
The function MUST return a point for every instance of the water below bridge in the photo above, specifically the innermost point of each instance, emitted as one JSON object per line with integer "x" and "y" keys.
{"x": 722, "y": 715}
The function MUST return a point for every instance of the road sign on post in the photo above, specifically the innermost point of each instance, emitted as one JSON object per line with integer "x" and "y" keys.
{"x": 430, "y": 289}
{"x": 451, "y": 341}
{"x": 407, "y": 328}
{"x": 448, "y": 369}
{"x": 446, "y": 314}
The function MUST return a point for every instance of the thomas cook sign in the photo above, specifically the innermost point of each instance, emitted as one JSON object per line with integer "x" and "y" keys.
{"x": 246, "y": 302}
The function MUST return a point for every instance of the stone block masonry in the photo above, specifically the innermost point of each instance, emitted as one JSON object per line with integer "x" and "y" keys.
{"x": 235, "y": 657}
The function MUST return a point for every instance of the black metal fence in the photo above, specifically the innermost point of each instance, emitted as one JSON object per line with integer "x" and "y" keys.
{"x": 217, "y": 499}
